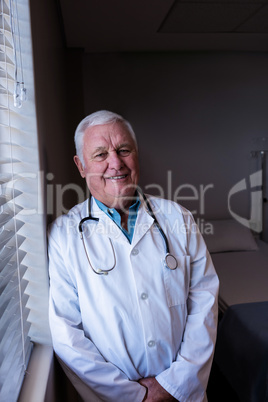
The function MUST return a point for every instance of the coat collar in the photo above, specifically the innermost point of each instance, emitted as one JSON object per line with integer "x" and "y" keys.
{"x": 106, "y": 226}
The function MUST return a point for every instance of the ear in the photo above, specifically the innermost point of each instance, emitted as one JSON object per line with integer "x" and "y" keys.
{"x": 79, "y": 166}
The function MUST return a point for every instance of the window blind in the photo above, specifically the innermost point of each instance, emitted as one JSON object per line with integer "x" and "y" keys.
{"x": 23, "y": 269}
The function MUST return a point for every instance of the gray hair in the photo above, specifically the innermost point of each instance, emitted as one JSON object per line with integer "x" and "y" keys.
{"x": 95, "y": 119}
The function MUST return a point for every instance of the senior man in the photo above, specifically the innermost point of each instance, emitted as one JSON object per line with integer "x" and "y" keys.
{"x": 133, "y": 291}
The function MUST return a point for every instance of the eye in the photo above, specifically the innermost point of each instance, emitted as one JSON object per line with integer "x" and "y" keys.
{"x": 101, "y": 156}
{"x": 123, "y": 152}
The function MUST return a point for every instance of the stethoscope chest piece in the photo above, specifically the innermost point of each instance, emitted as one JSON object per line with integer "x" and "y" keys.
{"x": 171, "y": 261}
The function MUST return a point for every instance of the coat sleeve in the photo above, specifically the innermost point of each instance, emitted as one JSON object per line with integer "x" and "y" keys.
{"x": 69, "y": 340}
{"x": 186, "y": 379}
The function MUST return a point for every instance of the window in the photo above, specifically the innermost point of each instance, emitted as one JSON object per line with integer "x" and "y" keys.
{"x": 23, "y": 270}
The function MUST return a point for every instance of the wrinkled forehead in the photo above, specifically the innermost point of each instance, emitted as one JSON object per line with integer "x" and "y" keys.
{"x": 108, "y": 135}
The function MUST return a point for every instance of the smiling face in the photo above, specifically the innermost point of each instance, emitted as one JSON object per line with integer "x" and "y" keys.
{"x": 111, "y": 167}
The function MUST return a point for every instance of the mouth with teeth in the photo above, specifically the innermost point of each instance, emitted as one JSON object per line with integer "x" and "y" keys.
{"x": 123, "y": 176}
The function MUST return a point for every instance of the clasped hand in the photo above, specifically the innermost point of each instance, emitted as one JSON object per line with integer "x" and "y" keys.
{"x": 155, "y": 392}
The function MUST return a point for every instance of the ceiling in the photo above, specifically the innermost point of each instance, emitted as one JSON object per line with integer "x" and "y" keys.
{"x": 165, "y": 25}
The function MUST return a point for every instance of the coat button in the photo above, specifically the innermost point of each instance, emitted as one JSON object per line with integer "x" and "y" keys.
{"x": 144, "y": 296}
{"x": 135, "y": 251}
{"x": 151, "y": 344}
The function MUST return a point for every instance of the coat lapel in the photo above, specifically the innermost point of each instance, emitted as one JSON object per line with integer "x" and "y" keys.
{"x": 107, "y": 227}
{"x": 143, "y": 224}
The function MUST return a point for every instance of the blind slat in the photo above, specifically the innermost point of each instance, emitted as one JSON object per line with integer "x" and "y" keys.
{"x": 13, "y": 307}
{"x": 16, "y": 357}
{"x": 11, "y": 269}
{"x": 9, "y": 70}
{"x": 8, "y": 253}
{"x": 8, "y": 299}
{"x": 5, "y": 41}
{"x": 11, "y": 320}
{"x": 8, "y": 231}
{"x": 10, "y": 195}
{"x": 8, "y": 339}
{"x": 6, "y": 216}
{"x": 11, "y": 246}
{"x": 5, "y": 79}
{"x": 5, "y": 58}
{"x": 5, "y": 8}
{"x": 14, "y": 328}
{"x": 15, "y": 371}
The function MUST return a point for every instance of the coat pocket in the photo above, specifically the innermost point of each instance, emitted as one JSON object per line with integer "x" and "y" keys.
{"x": 177, "y": 281}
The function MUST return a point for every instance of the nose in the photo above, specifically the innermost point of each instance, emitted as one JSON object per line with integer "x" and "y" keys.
{"x": 114, "y": 161}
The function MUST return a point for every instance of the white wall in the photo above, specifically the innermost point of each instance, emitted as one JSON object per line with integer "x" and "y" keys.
{"x": 197, "y": 115}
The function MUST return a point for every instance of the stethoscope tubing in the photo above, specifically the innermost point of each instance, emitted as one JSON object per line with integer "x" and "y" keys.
{"x": 170, "y": 260}
{"x": 151, "y": 213}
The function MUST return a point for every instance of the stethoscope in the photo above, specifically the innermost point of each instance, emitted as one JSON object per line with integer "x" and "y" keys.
{"x": 170, "y": 261}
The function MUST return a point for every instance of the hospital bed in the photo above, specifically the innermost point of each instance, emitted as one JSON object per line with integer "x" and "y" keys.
{"x": 241, "y": 262}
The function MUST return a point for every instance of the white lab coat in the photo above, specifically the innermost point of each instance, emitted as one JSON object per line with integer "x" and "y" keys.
{"x": 142, "y": 319}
